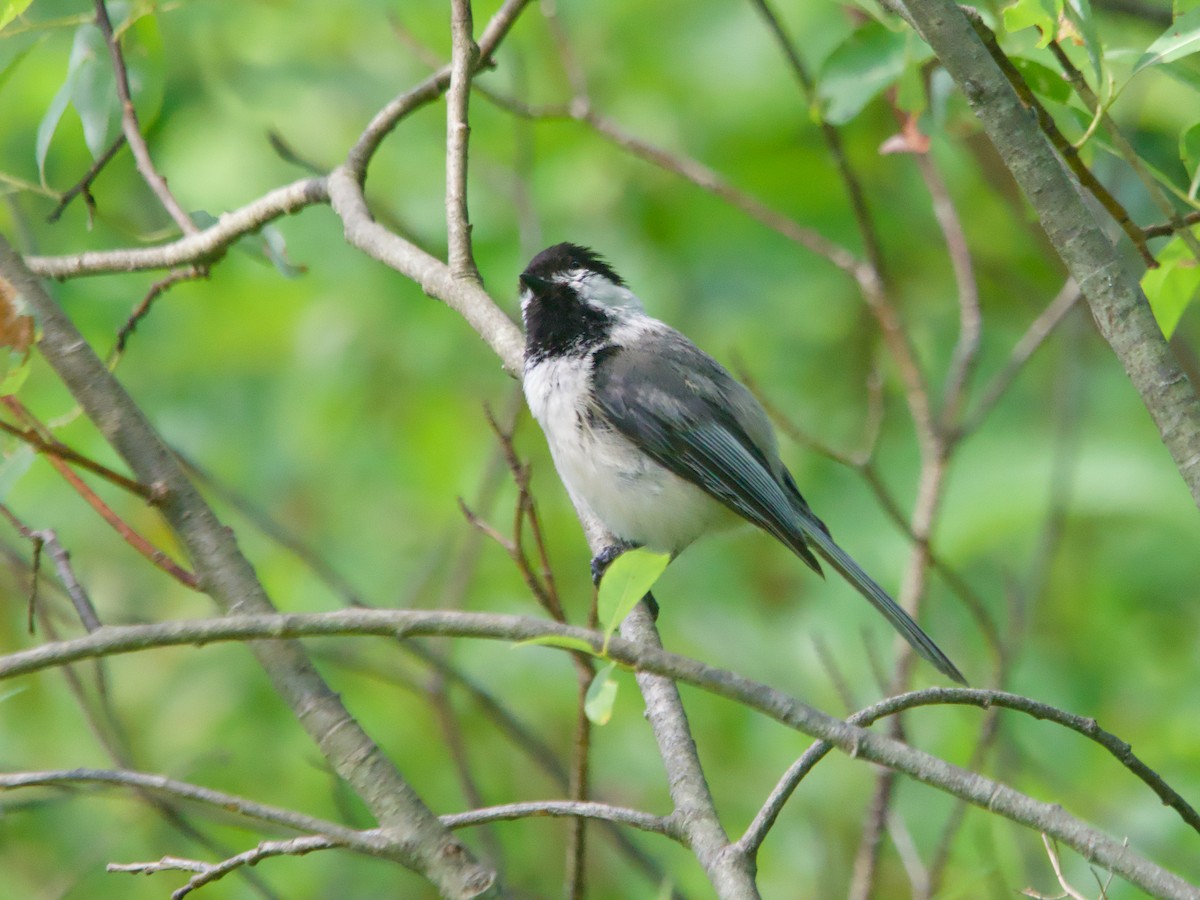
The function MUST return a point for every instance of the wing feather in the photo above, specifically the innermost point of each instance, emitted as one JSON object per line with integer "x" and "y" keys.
{"x": 689, "y": 415}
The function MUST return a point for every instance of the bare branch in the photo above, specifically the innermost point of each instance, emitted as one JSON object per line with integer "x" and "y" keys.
{"x": 427, "y": 91}
{"x": 133, "y": 130}
{"x": 204, "y": 246}
{"x": 731, "y": 874}
{"x": 970, "y": 327}
{"x": 1118, "y": 305}
{"x": 464, "y": 60}
{"x": 531, "y": 809}
{"x": 227, "y": 576}
{"x": 1035, "y": 335}
{"x": 207, "y": 873}
{"x": 846, "y": 736}
{"x": 366, "y": 841}
{"x": 434, "y": 277}
{"x": 83, "y": 186}
{"x": 1120, "y": 750}
{"x": 142, "y": 310}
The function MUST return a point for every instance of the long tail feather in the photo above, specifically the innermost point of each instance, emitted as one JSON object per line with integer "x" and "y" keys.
{"x": 901, "y": 621}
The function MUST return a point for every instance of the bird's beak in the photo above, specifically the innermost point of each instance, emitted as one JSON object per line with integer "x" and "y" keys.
{"x": 535, "y": 284}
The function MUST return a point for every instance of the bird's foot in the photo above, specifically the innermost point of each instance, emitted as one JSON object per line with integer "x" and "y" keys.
{"x": 602, "y": 560}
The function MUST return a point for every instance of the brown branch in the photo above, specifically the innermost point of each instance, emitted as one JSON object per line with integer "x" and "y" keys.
{"x": 53, "y": 448}
{"x": 143, "y": 309}
{"x": 1125, "y": 149}
{"x": 427, "y": 91}
{"x": 84, "y": 185}
{"x": 204, "y": 246}
{"x": 1066, "y": 150}
{"x": 133, "y": 130}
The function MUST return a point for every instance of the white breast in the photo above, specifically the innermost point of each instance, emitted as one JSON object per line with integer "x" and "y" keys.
{"x": 638, "y": 500}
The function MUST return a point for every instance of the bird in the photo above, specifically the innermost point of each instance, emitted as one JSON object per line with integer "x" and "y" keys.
{"x": 654, "y": 437}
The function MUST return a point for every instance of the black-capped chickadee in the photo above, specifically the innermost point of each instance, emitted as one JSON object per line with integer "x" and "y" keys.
{"x": 653, "y": 436}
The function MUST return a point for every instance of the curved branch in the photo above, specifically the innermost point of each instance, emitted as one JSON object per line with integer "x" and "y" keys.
{"x": 205, "y": 246}
{"x": 984, "y": 699}
{"x": 427, "y": 91}
{"x": 369, "y": 841}
{"x": 847, "y": 737}
{"x": 465, "y": 297}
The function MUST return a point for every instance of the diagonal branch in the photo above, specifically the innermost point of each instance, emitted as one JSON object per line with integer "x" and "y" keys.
{"x": 133, "y": 130}
{"x": 1118, "y": 304}
{"x": 427, "y": 91}
{"x": 420, "y": 840}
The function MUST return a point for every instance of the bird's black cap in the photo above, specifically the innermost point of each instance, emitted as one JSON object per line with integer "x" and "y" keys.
{"x": 565, "y": 257}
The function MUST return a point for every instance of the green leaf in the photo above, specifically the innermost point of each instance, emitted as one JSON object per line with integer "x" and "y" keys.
{"x": 627, "y": 581}
{"x": 275, "y": 249}
{"x": 89, "y": 85}
{"x": 10, "y": 9}
{"x": 7, "y": 70}
{"x": 1189, "y": 152}
{"x": 1040, "y": 14}
{"x": 1180, "y": 40}
{"x": 49, "y": 123}
{"x": 868, "y": 61}
{"x": 600, "y": 697}
{"x": 1080, "y": 12}
{"x": 93, "y": 87}
{"x": 13, "y": 467}
{"x": 1042, "y": 80}
{"x": 1173, "y": 286}
{"x": 554, "y": 640}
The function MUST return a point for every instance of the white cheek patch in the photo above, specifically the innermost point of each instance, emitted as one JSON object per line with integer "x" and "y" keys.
{"x": 602, "y": 292}
{"x": 598, "y": 291}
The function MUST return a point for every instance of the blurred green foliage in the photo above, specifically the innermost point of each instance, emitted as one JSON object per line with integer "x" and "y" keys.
{"x": 349, "y": 408}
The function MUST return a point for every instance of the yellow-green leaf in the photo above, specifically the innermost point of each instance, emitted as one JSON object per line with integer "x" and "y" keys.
{"x": 601, "y": 695}
{"x": 628, "y": 579}
{"x": 554, "y": 640}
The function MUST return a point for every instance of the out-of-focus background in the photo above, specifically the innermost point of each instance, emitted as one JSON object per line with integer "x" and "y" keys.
{"x": 325, "y": 392}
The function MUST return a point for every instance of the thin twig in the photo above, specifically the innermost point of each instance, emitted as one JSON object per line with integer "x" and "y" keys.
{"x": 1066, "y": 151}
{"x": 1123, "y": 147}
{"x": 1033, "y": 338}
{"x": 557, "y": 808}
{"x": 140, "y": 311}
{"x": 204, "y": 246}
{"x": 131, "y": 537}
{"x": 833, "y": 141}
{"x": 52, "y": 447}
{"x": 133, "y": 130}
{"x": 84, "y": 185}
{"x": 430, "y": 89}
{"x": 970, "y": 321}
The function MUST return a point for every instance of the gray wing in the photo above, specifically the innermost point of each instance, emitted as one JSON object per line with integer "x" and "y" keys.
{"x": 683, "y": 409}
{"x": 690, "y": 416}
